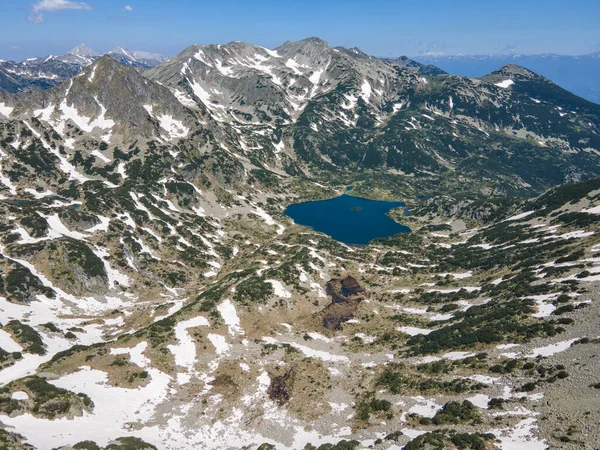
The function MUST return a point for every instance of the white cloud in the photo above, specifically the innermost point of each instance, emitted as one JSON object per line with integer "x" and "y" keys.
{"x": 128, "y": 8}
{"x": 54, "y": 5}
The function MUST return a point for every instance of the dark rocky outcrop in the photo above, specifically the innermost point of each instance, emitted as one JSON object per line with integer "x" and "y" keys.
{"x": 280, "y": 389}
{"x": 346, "y": 294}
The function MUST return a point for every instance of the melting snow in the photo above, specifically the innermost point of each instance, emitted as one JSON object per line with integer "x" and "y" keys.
{"x": 19, "y": 395}
{"x": 227, "y": 311}
{"x": 426, "y": 408}
{"x": 506, "y": 83}
{"x": 219, "y": 342}
{"x": 136, "y": 354}
{"x": 520, "y": 437}
{"x": 5, "y": 110}
{"x": 100, "y": 156}
{"x": 185, "y": 351}
{"x": 366, "y": 90}
{"x": 519, "y": 216}
{"x": 413, "y": 331}
{"x": 316, "y": 76}
{"x": 114, "y": 408}
{"x": 551, "y": 349}
{"x": 280, "y": 290}
{"x": 173, "y": 127}
{"x": 85, "y": 123}
{"x": 7, "y": 343}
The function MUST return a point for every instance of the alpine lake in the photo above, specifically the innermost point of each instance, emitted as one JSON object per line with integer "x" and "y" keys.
{"x": 348, "y": 219}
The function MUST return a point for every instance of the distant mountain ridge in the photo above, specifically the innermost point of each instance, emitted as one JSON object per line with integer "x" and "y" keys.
{"x": 48, "y": 71}
{"x": 578, "y": 74}
{"x": 308, "y": 109}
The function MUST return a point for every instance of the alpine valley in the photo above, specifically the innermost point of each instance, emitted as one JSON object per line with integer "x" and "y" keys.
{"x": 154, "y": 295}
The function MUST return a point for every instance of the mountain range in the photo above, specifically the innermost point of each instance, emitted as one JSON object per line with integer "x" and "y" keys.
{"x": 577, "y": 74}
{"x": 308, "y": 109}
{"x": 155, "y": 295}
{"x": 43, "y": 73}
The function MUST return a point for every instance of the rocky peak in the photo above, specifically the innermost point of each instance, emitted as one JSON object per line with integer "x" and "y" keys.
{"x": 417, "y": 67}
{"x": 121, "y": 51}
{"x": 83, "y": 50}
{"x": 510, "y": 75}
{"x": 108, "y": 100}
{"x": 514, "y": 69}
{"x": 353, "y": 52}
{"x": 311, "y": 47}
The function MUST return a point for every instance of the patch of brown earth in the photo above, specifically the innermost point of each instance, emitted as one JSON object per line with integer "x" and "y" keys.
{"x": 301, "y": 385}
{"x": 346, "y": 294}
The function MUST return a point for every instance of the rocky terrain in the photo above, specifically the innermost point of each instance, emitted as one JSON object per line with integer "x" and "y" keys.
{"x": 154, "y": 295}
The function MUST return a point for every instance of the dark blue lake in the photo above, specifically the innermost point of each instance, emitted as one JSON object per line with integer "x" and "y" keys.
{"x": 352, "y": 220}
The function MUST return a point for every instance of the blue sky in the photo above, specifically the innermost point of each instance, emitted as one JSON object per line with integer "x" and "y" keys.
{"x": 379, "y": 27}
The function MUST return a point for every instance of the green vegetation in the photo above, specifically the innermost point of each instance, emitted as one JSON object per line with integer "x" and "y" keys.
{"x": 454, "y": 413}
{"x": 47, "y": 400}
{"x": 441, "y": 439}
{"x": 253, "y": 289}
{"x": 562, "y": 195}
{"x": 86, "y": 445}
{"x": 130, "y": 443}
{"x": 342, "y": 445}
{"x": 8, "y": 358}
{"x": 13, "y": 441}
{"x": 484, "y": 324}
{"x": 30, "y": 340}
{"x": 35, "y": 225}
{"x": 444, "y": 366}
{"x": 373, "y": 405}
{"x": 397, "y": 381}
{"x": 22, "y": 286}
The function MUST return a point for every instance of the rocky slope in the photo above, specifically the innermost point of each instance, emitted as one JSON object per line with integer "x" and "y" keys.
{"x": 154, "y": 295}
{"x": 336, "y": 110}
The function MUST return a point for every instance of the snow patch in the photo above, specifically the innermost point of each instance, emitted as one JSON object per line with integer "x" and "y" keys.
{"x": 185, "y": 351}
{"x": 506, "y": 83}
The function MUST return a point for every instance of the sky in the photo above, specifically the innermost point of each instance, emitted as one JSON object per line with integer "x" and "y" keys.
{"x": 383, "y": 28}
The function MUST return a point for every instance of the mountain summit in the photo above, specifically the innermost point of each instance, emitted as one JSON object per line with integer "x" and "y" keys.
{"x": 83, "y": 50}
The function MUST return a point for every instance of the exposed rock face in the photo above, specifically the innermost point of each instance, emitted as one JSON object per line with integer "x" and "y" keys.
{"x": 346, "y": 294}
